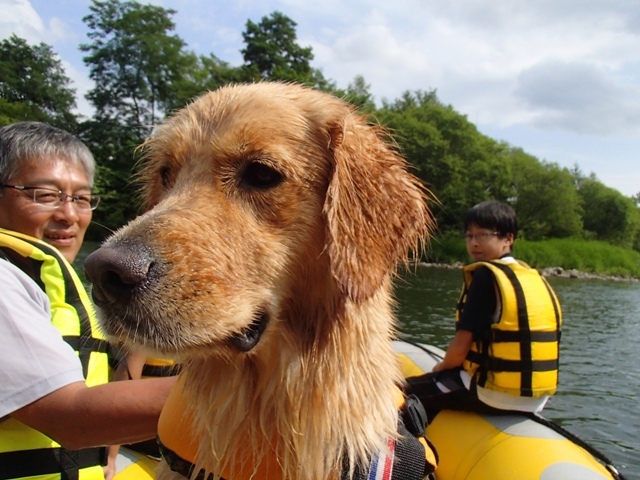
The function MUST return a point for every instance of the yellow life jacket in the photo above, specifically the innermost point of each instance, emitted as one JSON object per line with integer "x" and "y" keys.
{"x": 154, "y": 368}
{"x": 520, "y": 354}
{"x": 411, "y": 457}
{"x": 25, "y": 452}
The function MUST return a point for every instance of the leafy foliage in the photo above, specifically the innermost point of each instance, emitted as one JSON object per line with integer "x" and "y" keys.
{"x": 273, "y": 53}
{"x": 203, "y": 74}
{"x": 459, "y": 165}
{"x": 609, "y": 215}
{"x": 357, "y": 93}
{"x": 115, "y": 150}
{"x": 545, "y": 198}
{"x": 33, "y": 85}
{"x": 133, "y": 61}
{"x": 586, "y": 256}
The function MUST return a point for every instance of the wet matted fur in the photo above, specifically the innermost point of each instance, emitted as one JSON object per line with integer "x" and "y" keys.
{"x": 276, "y": 217}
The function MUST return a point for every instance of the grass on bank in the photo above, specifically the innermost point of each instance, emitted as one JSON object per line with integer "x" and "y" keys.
{"x": 569, "y": 253}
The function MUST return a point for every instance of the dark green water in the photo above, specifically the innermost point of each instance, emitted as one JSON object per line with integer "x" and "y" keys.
{"x": 598, "y": 398}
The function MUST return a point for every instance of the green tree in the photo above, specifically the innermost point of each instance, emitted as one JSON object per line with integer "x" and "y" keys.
{"x": 137, "y": 67}
{"x": 134, "y": 62}
{"x": 272, "y": 52}
{"x": 34, "y": 86}
{"x": 202, "y": 74}
{"x": 545, "y": 198}
{"x": 114, "y": 148}
{"x": 609, "y": 215}
{"x": 357, "y": 93}
{"x": 460, "y": 165}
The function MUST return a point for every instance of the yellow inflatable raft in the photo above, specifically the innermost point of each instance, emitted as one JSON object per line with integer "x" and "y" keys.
{"x": 132, "y": 465}
{"x": 498, "y": 447}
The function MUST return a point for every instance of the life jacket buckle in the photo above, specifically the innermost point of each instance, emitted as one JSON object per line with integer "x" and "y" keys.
{"x": 414, "y": 416}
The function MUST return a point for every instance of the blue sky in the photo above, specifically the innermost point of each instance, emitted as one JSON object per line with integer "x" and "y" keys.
{"x": 558, "y": 78}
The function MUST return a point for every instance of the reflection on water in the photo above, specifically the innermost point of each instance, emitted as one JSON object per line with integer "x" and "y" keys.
{"x": 599, "y": 366}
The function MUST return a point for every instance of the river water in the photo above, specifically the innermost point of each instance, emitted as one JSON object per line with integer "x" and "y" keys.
{"x": 598, "y": 397}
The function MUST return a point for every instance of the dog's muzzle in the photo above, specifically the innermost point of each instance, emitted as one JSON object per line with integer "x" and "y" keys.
{"x": 117, "y": 274}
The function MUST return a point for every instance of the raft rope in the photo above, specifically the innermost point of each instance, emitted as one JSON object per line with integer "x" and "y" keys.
{"x": 608, "y": 464}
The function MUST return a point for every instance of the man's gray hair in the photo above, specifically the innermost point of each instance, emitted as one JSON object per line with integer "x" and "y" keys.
{"x": 24, "y": 141}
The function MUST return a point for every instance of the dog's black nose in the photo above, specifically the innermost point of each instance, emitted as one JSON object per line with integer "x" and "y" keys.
{"x": 116, "y": 271}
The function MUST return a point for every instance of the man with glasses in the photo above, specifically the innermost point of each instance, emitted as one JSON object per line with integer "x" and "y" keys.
{"x": 504, "y": 355}
{"x": 56, "y": 409}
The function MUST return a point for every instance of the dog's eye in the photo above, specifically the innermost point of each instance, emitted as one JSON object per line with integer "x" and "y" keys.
{"x": 259, "y": 175}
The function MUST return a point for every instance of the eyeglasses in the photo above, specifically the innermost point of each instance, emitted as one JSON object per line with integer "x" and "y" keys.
{"x": 55, "y": 198}
{"x": 480, "y": 237}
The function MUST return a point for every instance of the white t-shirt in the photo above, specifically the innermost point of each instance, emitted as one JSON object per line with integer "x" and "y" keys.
{"x": 34, "y": 359}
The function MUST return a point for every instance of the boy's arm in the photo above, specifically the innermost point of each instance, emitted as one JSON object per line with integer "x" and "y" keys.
{"x": 475, "y": 319}
{"x": 457, "y": 351}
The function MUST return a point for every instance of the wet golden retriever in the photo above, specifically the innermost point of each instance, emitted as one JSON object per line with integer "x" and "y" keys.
{"x": 276, "y": 218}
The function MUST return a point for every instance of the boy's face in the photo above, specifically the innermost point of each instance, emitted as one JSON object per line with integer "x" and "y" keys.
{"x": 484, "y": 244}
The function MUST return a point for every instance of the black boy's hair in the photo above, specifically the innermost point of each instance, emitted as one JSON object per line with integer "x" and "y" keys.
{"x": 493, "y": 215}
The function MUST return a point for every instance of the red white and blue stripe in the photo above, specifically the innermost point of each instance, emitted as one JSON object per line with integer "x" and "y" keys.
{"x": 382, "y": 463}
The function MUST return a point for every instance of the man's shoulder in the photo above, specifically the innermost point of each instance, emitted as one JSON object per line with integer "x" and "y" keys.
{"x": 12, "y": 279}
{"x": 9, "y": 272}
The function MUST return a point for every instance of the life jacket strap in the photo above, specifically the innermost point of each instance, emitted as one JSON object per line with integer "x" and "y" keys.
{"x": 179, "y": 465}
{"x": 50, "y": 461}
{"x": 500, "y": 365}
{"x": 518, "y": 336}
{"x": 83, "y": 343}
{"x": 405, "y": 458}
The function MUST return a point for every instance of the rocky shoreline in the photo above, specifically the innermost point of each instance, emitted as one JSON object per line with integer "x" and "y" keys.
{"x": 548, "y": 272}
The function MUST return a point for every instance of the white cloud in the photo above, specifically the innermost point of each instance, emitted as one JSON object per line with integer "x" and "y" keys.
{"x": 580, "y": 98}
{"x": 19, "y": 17}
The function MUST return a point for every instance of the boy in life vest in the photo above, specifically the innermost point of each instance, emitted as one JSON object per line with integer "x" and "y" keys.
{"x": 504, "y": 355}
{"x": 57, "y": 410}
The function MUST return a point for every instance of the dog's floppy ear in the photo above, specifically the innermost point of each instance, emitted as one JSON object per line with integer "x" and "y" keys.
{"x": 376, "y": 210}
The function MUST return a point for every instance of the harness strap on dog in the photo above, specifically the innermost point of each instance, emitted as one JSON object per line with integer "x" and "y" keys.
{"x": 409, "y": 457}
{"x": 179, "y": 464}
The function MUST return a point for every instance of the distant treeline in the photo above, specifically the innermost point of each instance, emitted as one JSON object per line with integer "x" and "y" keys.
{"x": 142, "y": 71}
{"x": 588, "y": 256}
